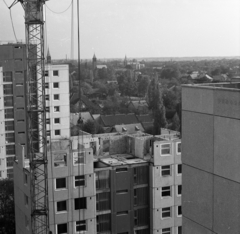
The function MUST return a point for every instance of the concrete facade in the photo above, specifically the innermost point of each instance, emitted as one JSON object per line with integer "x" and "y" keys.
{"x": 57, "y": 101}
{"x": 108, "y": 183}
{"x": 211, "y": 178}
{"x": 12, "y": 105}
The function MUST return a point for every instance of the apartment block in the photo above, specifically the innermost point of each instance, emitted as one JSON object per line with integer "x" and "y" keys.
{"x": 57, "y": 101}
{"x": 211, "y": 176}
{"x": 109, "y": 183}
{"x": 12, "y": 105}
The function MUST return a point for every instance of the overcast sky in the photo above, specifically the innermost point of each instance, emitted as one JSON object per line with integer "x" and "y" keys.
{"x": 137, "y": 28}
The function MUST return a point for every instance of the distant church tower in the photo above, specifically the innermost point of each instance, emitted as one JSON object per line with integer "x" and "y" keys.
{"x": 49, "y": 59}
{"x": 94, "y": 62}
{"x": 125, "y": 61}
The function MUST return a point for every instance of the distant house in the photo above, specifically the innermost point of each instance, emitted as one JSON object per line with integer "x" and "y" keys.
{"x": 194, "y": 75}
{"x": 139, "y": 105}
{"x": 101, "y": 66}
{"x": 118, "y": 119}
{"x": 146, "y": 120}
{"x": 128, "y": 128}
{"x": 84, "y": 104}
{"x": 220, "y": 78}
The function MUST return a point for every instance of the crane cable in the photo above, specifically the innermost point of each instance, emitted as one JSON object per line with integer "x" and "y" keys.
{"x": 11, "y": 21}
{"x": 61, "y": 12}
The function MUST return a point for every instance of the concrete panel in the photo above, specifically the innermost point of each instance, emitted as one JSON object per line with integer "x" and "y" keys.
{"x": 227, "y": 103}
{"x": 226, "y": 148}
{"x": 197, "y": 196}
{"x": 190, "y": 227}
{"x": 158, "y": 222}
{"x": 197, "y": 140}
{"x": 226, "y": 206}
{"x": 197, "y": 99}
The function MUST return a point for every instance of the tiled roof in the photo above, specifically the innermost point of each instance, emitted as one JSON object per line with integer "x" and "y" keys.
{"x": 112, "y": 120}
{"x": 145, "y": 118}
{"x": 128, "y": 128}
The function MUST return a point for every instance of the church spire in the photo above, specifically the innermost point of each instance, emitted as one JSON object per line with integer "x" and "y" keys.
{"x": 49, "y": 59}
{"x": 94, "y": 61}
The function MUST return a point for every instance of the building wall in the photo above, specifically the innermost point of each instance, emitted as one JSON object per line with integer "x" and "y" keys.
{"x": 12, "y": 99}
{"x": 211, "y": 123}
{"x": 62, "y": 81}
{"x": 160, "y": 182}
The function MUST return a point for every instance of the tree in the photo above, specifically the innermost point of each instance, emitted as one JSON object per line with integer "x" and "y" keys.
{"x": 143, "y": 86}
{"x": 155, "y": 103}
{"x": 7, "y": 215}
{"x": 92, "y": 127}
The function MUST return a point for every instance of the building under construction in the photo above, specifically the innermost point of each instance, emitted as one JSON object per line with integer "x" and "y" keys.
{"x": 108, "y": 183}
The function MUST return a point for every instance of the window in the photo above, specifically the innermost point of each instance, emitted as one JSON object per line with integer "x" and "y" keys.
{"x": 55, "y": 96}
{"x": 55, "y": 85}
{"x": 166, "y": 212}
{"x": 25, "y": 200}
{"x": 7, "y": 76}
{"x": 62, "y": 228}
{"x": 81, "y": 226}
{"x": 47, "y": 109}
{"x": 103, "y": 201}
{"x": 166, "y": 231}
{"x": 102, "y": 179}
{"x": 165, "y": 149}
{"x": 8, "y": 101}
{"x": 10, "y": 161}
{"x": 179, "y": 190}
{"x": 48, "y": 133}
{"x": 57, "y": 132}
{"x": 47, "y": 121}
{"x": 79, "y": 159}
{"x": 60, "y": 160}
{"x": 179, "y": 211}
{"x": 79, "y": 181}
{"x": 80, "y": 203}
{"x": 141, "y": 196}
{"x": 104, "y": 223}
{"x": 8, "y": 89}
{"x": 47, "y": 97}
{"x": 9, "y": 126}
{"x": 57, "y": 120}
{"x": 121, "y": 170}
{"x": 61, "y": 183}
{"x": 10, "y": 137}
{"x": 56, "y": 108}
{"x": 166, "y": 191}
{"x": 46, "y": 85}
{"x": 166, "y": 170}
{"x": 179, "y": 149}
{"x": 55, "y": 73}
{"x": 26, "y": 222}
{"x": 10, "y": 173}
{"x": 179, "y": 169}
{"x": 179, "y": 230}
{"x": 61, "y": 206}
{"x": 122, "y": 191}
{"x": 9, "y": 113}
{"x": 25, "y": 178}
{"x": 46, "y": 73}
{"x": 10, "y": 149}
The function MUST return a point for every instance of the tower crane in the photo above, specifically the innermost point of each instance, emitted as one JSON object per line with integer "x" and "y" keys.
{"x": 36, "y": 114}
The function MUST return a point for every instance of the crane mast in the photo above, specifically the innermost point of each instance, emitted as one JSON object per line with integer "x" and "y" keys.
{"x": 36, "y": 114}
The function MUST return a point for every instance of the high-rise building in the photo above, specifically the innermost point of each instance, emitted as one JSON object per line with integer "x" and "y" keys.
{"x": 108, "y": 183}
{"x": 13, "y": 97}
{"x": 211, "y": 157}
{"x": 12, "y": 105}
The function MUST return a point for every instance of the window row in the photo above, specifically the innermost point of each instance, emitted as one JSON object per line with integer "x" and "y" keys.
{"x": 55, "y": 121}
{"x": 61, "y": 183}
{"x": 55, "y": 109}
{"x": 60, "y": 160}
{"x": 57, "y": 132}
{"x": 169, "y": 230}
{"x": 54, "y": 72}
{"x": 56, "y": 97}
{"x": 167, "y": 212}
{"x": 167, "y": 170}
{"x": 79, "y": 204}
{"x": 167, "y": 191}
{"x": 166, "y": 149}
{"x": 55, "y": 85}
{"x": 80, "y": 226}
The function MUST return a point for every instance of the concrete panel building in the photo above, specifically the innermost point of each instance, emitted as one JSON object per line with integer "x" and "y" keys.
{"x": 211, "y": 177}
{"x": 108, "y": 183}
{"x": 12, "y": 105}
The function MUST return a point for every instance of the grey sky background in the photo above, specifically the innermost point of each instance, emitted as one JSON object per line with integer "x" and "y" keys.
{"x": 137, "y": 28}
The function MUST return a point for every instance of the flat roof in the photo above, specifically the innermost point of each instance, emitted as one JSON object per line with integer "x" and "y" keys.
{"x": 224, "y": 85}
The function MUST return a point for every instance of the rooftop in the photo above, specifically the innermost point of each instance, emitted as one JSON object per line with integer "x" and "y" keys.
{"x": 224, "y": 85}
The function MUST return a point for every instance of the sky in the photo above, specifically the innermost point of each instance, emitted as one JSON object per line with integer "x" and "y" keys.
{"x": 135, "y": 28}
